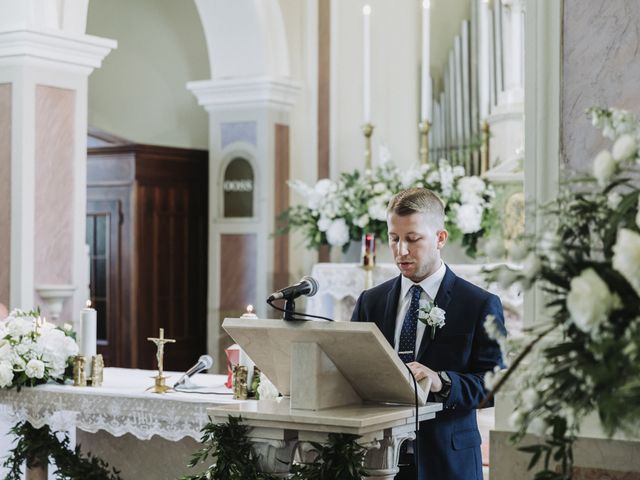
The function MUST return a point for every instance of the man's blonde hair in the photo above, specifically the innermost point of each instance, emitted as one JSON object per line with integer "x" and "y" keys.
{"x": 418, "y": 200}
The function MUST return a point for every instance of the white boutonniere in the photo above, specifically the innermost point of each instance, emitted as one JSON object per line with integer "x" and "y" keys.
{"x": 432, "y": 315}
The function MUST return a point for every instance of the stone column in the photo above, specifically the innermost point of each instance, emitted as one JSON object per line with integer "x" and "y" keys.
{"x": 249, "y": 124}
{"x": 45, "y": 61}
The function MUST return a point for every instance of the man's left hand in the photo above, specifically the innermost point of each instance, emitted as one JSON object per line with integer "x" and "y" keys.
{"x": 420, "y": 371}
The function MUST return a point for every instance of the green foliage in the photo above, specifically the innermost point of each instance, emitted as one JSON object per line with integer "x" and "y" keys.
{"x": 359, "y": 199}
{"x": 587, "y": 356}
{"x": 35, "y": 445}
{"x": 341, "y": 459}
{"x": 227, "y": 445}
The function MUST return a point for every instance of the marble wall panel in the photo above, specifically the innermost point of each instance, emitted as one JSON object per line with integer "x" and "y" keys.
{"x": 601, "y": 41}
{"x": 54, "y": 176}
{"x": 5, "y": 192}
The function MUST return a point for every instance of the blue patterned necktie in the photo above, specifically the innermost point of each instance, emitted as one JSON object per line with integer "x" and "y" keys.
{"x": 407, "y": 346}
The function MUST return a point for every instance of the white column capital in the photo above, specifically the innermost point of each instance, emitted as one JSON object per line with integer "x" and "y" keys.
{"x": 77, "y": 53}
{"x": 246, "y": 92}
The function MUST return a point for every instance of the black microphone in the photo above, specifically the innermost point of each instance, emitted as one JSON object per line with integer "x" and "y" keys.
{"x": 204, "y": 362}
{"x": 307, "y": 286}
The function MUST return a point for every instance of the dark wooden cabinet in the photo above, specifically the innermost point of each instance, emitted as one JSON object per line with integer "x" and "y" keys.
{"x": 147, "y": 237}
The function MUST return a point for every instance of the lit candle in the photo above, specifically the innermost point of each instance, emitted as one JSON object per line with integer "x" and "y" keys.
{"x": 88, "y": 334}
{"x": 425, "y": 111}
{"x": 249, "y": 313}
{"x": 366, "y": 78}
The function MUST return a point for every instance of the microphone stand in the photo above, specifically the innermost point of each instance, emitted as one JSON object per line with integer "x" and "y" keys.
{"x": 289, "y": 309}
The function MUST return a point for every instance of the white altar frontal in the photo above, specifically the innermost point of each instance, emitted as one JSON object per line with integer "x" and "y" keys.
{"x": 143, "y": 434}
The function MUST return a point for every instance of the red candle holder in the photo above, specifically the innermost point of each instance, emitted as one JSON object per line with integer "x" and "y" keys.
{"x": 368, "y": 251}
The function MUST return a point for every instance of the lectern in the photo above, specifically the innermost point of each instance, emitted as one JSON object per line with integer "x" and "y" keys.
{"x": 337, "y": 377}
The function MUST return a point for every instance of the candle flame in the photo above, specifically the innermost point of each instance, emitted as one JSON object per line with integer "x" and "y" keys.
{"x": 88, "y": 303}
{"x": 366, "y": 10}
{"x": 249, "y": 308}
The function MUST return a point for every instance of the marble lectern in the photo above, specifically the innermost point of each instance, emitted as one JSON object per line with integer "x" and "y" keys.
{"x": 337, "y": 377}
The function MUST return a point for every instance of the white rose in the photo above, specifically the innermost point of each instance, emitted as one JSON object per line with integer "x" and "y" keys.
{"x": 604, "y": 166}
{"x": 437, "y": 316}
{"x": 34, "y": 369}
{"x": 530, "y": 399}
{"x": 624, "y": 147}
{"x": 379, "y": 187}
{"x": 362, "y": 221}
{"x": 6, "y": 375}
{"x": 377, "y": 209}
{"x": 324, "y": 223}
{"x": 589, "y": 301}
{"x": 6, "y": 351}
{"x": 433, "y": 177}
{"x": 613, "y": 200}
{"x": 469, "y": 218}
{"x": 323, "y": 186}
{"x": 537, "y": 426}
{"x": 266, "y": 389}
{"x": 458, "y": 171}
{"x": 20, "y": 326}
{"x": 516, "y": 419}
{"x": 626, "y": 257}
{"x": 338, "y": 233}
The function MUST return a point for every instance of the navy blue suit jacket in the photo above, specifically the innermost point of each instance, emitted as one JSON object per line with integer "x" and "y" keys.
{"x": 449, "y": 444}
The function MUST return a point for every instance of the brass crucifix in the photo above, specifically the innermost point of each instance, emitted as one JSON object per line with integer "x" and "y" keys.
{"x": 160, "y": 385}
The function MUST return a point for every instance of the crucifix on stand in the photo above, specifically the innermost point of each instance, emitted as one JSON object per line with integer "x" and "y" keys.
{"x": 160, "y": 380}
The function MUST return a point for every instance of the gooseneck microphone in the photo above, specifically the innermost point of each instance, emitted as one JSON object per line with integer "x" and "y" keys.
{"x": 307, "y": 286}
{"x": 204, "y": 363}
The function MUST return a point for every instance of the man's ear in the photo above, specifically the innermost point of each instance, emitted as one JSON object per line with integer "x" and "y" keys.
{"x": 442, "y": 235}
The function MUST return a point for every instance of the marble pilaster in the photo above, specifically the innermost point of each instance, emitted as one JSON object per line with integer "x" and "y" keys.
{"x": 45, "y": 61}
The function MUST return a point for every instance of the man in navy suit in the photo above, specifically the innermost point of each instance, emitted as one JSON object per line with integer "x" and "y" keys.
{"x": 454, "y": 356}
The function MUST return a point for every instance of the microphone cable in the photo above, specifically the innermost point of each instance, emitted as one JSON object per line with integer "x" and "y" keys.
{"x": 416, "y": 449}
{"x": 270, "y": 303}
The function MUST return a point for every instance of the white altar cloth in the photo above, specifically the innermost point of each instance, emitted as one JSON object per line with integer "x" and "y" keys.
{"x": 120, "y": 406}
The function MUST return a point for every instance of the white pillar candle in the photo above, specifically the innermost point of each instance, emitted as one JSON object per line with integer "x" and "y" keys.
{"x": 425, "y": 110}
{"x": 366, "y": 75}
{"x": 88, "y": 334}
{"x": 484, "y": 80}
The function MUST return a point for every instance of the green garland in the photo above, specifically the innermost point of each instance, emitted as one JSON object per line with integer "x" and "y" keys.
{"x": 36, "y": 445}
{"x": 341, "y": 459}
{"x": 228, "y": 445}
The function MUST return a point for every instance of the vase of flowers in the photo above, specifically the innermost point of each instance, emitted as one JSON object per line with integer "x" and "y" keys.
{"x": 586, "y": 357}
{"x": 337, "y": 212}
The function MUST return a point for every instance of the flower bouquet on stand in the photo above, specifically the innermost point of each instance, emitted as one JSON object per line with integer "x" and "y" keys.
{"x": 337, "y": 212}
{"x": 585, "y": 358}
{"x": 34, "y": 351}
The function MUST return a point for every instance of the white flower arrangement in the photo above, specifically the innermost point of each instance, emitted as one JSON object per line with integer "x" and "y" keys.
{"x": 336, "y": 212}
{"x": 33, "y": 351}
{"x": 431, "y": 315}
{"x": 586, "y": 358}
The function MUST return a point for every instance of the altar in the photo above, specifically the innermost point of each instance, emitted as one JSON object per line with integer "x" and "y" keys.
{"x": 143, "y": 434}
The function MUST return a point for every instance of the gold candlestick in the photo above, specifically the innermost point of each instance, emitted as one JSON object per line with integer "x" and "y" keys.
{"x": 160, "y": 380}
{"x": 484, "y": 147}
{"x": 424, "y": 128}
{"x": 367, "y": 129}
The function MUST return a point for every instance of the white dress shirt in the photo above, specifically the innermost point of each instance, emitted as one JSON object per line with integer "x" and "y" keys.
{"x": 430, "y": 286}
